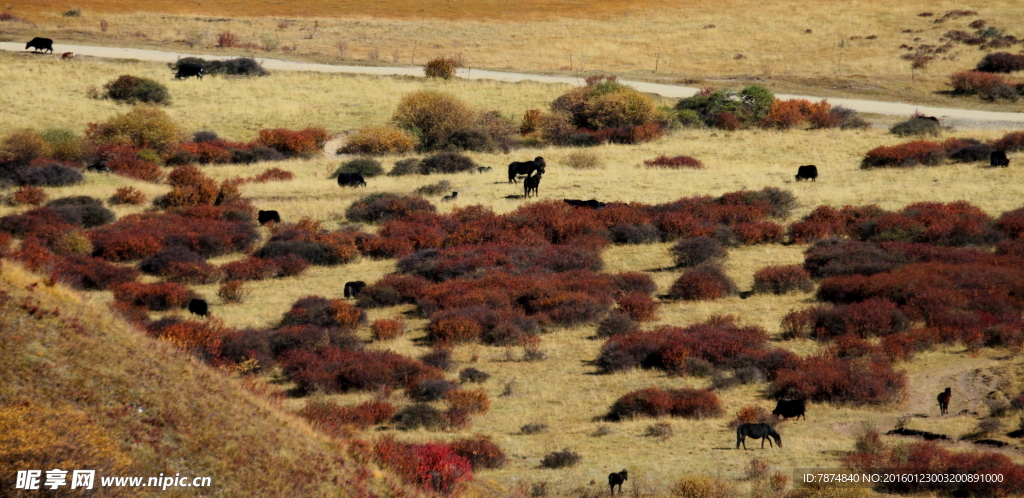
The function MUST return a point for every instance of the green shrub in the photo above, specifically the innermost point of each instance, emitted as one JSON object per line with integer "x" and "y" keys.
{"x": 134, "y": 89}
{"x": 364, "y": 166}
{"x": 745, "y": 108}
{"x": 64, "y": 144}
{"x": 440, "y": 67}
{"x": 379, "y": 140}
{"x": 433, "y": 117}
{"x": 689, "y": 118}
{"x": 140, "y": 127}
{"x": 446, "y": 162}
{"x": 241, "y": 66}
{"x": 916, "y": 126}
{"x": 405, "y": 167}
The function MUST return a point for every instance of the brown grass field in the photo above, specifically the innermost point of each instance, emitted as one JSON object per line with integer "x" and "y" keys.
{"x": 654, "y": 39}
{"x": 561, "y": 391}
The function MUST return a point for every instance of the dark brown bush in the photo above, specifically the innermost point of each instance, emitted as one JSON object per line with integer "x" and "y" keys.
{"x": 656, "y": 402}
{"x": 446, "y": 162}
{"x": 560, "y": 459}
{"x": 440, "y": 67}
{"x": 702, "y": 283}
{"x": 376, "y": 208}
{"x": 386, "y": 330}
{"x": 154, "y": 297}
{"x": 82, "y": 272}
{"x": 481, "y": 452}
{"x": 691, "y": 252}
{"x": 470, "y": 374}
{"x": 782, "y": 280}
{"x": 616, "y": 324}
{"x": 413, "y": 417}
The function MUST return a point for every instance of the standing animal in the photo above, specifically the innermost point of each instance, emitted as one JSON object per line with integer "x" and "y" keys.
{"x": 809, "y": 172}
{"x": 616, "y": 479}
{"x": 352, "y": 289}
{"x": 944, "y": 401}
{"x": 998, "y": 158}
{"x": 350, "y": 180}
{"x": 449, "y": 198}
{"x": 530, "y": 184}
{"x": 789, "y": 408}
{"x": 756, "y": 431}
{"x": 483, "y": 169}
{"x": 67, "y": 56}
{"x": 37, "y": 44}
{"x": 525, "y": 168}
{"x": 265, "y": 217}
{"x": 198, "y": 307}
{"x": 187, "y": 69}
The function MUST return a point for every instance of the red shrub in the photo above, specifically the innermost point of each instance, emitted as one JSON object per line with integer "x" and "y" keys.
{"x": 128, "y": 195}
{"x": 209, "y": 152}
{"x": 701, "y": 284}
{"x": 676, "y": 162}
{"x": 764, "y": 232}
{"x": 1011, "y": 142}
{"x": 34, "y": 255}
{"x": 919, "y": 152}
{"x": 386, "y": 330}
{"x": 83, "y": 272}
{"x": 481, "y": 452}
{"x": 639, "y": 306}
{"x": 139, "y": 235}
{"x": 726, "y": 121}
{"x": 154, "y": 297}
{"x": 656, "y": 402}
{"x": 232, "y": 291}
{"x": 5, "y": 242}
{"x": 29, "y": 195}
{"x": 1011, "y": 223}
{"x": 332, "y": 419}
{"x": 321, "y": 312}
{"x": 782, "y": 279}
{"x": 125, "y": 161}
{"x": 203, "y": 338}
{"x": 975, "y": 82}
{"x": 828, "y": 379}
{"x": 432, "y": 466}
{"x": 334, "y": 370}
{"x": 303, "y": 143}
{"x": 273, "y": 175}
{"x": 454, "y": 330}
{"x": 785, "y": 114}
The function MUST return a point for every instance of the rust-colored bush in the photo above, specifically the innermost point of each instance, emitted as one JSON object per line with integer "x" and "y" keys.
{"x": 919, "y": 152}
{"x": 702, "y": 284}
{"x": 334, "y": 370}
{"x": 471, "y": 402}
{"x": 139, "y": 235}
{"x": 200, "y": 337}
{"x": 641, "y": 307}
{"x": 676, "y": 162}
{"x": 726, "y": 120}
{"x": 1011, "y": 142}
{"x": 785, "y": 114}
{"x": 321, "y": 312}
{"x": 975, "y": 82}
{"x": 782, "y": 279}
{"x": 154, "y": 297}
{"x": 233, "y": 291}
{"x": 440, "y": 67}
{"x": 273, "y": 175}
{"x": 480, "y": 451}
{"x": 826, "y": 379}
{"x": 28, "y": 195}
{"x": 656, "y": 402}
{"x": 304, "y": 143}
{"x": 332, "y": 419}
{"x": 386, "y": 330}
{"x": 128, "y": 195}
{"x": 82, "y": 272}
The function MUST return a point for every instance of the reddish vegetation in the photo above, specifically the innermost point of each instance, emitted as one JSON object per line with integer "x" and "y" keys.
{"x": 481, "y": 452}
{"x": 919, "y": 152}
{"x": 701, "y": 284}
{"x": 785, "y": 114}
{"x": 29, "y": 195}
{"x": 128, "y": 195}
{"x": 273, "y": 175}
{"x": 950, "y": 224}
{"x": 386, "y": 330}
{"x": 333, "y": 370}
{"x": 303, "y": 143}
{"x": 432, "y": 466}
{"x": 676, "y": 162}
{"x": 826, "y": 378}
{"x": 154, "y": 297}
{"x": 656, "y": 402}
{"x": 332, "y": 419}
{"x": 782, "y": 279}
{"x": 139, "y": 235}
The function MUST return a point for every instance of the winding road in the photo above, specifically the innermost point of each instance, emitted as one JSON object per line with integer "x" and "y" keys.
{"x": 673, "y": 91}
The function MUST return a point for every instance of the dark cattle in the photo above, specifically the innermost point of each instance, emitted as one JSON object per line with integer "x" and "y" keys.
{"x": 352, "y": 289}
{"x": 483, "y": 169}
{"x": 756, "y": 431}
{"x": 789, "y": 408}
{"x": 198, "y": 307}
{"x": 265, "y": 217}
{"x": 351, "y": 180}
{"x": 944, "y": 401}
{"x": 98, "y": 167}
{"x": 525, "y": 168}
{"x": 530, "y": 184}
{"x": 616, "y": 479}
{"x": 449, "y": 198}
{"x": 809, "y": 172}
{"x": 998, "y": 158}
{"x": 37, "y": 44}
{"x": 592, "y": 203}
{"x": 189, "y": 69}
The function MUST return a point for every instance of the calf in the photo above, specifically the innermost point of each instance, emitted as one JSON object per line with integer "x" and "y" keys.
{"x": 67, "y": 56}
{"x": 789, "y": 408}
{"x": 351, "y": 180}
{"x": 37, "y": 44}
{"x": 809, "y": 172}
{"x": 944, "y": 401}
{"x": 198, "y": 307}
{"x": 756, "y": 431}
{"x": 998, "y": 158}
{"x": 616, "y": 479}
{"x": 530, "y": 184}
{"x": 265, "y": 217}
{"x": 449, "y": 198}
{"x": 352, "y": 289}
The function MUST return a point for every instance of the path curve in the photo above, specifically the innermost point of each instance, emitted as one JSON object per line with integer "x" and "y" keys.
{"x": 673, "y": 91}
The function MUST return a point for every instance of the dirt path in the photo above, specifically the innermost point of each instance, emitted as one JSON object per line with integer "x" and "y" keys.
{"x": 889, "y": 108}
{"x": 970, "y": 378}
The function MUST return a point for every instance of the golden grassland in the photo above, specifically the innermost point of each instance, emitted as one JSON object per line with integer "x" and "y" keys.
{"x": 160, "y": 410}
{"x": 767, "y": 42}
{"x": 562, "y": 390}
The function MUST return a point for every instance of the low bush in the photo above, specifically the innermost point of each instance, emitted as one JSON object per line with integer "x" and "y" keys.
{"x": 86, "y": 273}
{"x": 639, "y": 306}
{"x": 977, "y": 83}
{"x": 252, "y": 268}
{"x": 439, "y": 358}
{"x": 916, "y": 126}
{"x": 616, "y": 324}
{"x": 82, "y": 210}
{"x": 304, "y": 143}
{"x": 1001, "y": 62}
{"x": 376, "y": 208}
{"x": 133, "y": 89}
{"x": 701, "y": 284}
{"x": 141, "y": 127}
{"x": 910, "y": 154}
{"x": 323, "y": 313}
{"x": 676, "y": 162}
{"x": 446, "y": 162}
{"x": 439, "y": 188}
{"x": 785, "y": 114}
{"x": 969, "y": 151}
{"x": 28, "y": 196}
{"x": 364, "y": 166}
{"x": 695, "y": 251}
{"x": 703, "y": 487}
{"x": 127, "y": 195}
{"x": 48, "y": 175}
{"x": 435, "y": 467}
{"x": 386, "y": 330}
{"x": 331, "y": 418}
{"x": 430, "y": 390}
{"x": 179, "y": 264}
{"x": 581, "y": 159}
{"x": 273, "y": 175}
{"x": 405, "y": 167}
{"x": 560, "y": 459}
{"x": 241, "y": 66}
{"x": 433, "y": 117}
{"x": 871, "y": 381}
{"x": 233, "y": 291}
{"x": 413, "y": 417}
{"x": 440, "y": 67}
{"x": 656, "y": 402}
{"x": 471, "y": 402}
{"x": 481, "y": 452}
{"x": 379, "y": 140}
{"x": 1011, "y": 142}
{"x": 25, "y": 145}
{"x": 782, "y": 280}
{"x": 335, "y": 370}
{"x": 154, "y": 297}
{"x": 470, "y": 374}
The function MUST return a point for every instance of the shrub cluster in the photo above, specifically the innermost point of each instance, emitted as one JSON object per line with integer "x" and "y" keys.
{"x": 48, "y": 175}
{"x": 179, "y": 264}
{"x": 782, "y": 279}
{"x": 919, "y": 152}
{"x": 432, "y": 466}
{"x": 603, "y": 111}
{"x": 127, "y": 195}
{"x": 133, "y": 89}
{"x": 440, "y": 67}
{"x": 376, "y": 208}
{"x": 946, "y": 224}
{"x": 916, "y": 125}
{"x": 481, "y": 452}
{"x": 987, "y": 85}
{"x": 154, "y": 297}
{"x": 835, "y": 380}
{"x": 308, "y": 242}
{"x": 785, "y": 114}
{"x": 727, "y": 109}
{"x": 656, "y": 402}
{"x": 241, "y": 66}
{"x": 379, "y": 140}
{"x": 216, "y": 151}
{"x": 440, "y": 121}
{"x": 702, "y": 283}
{"x": 304, "y": 143}
{"x": 365, "y": 166}
{"x": 253, "y": 268}
{"x": 676, "y": 162}
{"x": 332, "y": 419}
{"x": 141, "y": 128}
{"x": 386, "y": 330}
{"x": 207, "y": 230}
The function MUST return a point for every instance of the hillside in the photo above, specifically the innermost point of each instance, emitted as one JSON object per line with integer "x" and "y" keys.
{"x": 82, "y": 389}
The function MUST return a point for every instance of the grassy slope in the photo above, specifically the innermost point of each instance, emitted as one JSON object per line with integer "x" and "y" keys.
{"x": 630, "y": 39}
{"x": 163, "y": 410}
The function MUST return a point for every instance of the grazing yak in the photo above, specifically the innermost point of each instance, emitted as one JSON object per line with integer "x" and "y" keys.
{"x": 525, "y": 168}
{"x": 351, "y": 180}
{"x": 37, "y": 44}
{"x": 592, "y": 203}
{"x": 809, "y": 172}
{"x": 198, "y": 307}
{"x": 188, "y": 69}
{"x": 998, "y": 158}
{"x": 789, "y": 408}
{"x": 944, "y": 401}
{"x": 530, "y": 184}
{"x": 265, "y": 217}
{"x": 449, "y": 198}
{"x": 616, "y": 479}
{"x": 352, "y": 289}
{"x": 756, "y": 431}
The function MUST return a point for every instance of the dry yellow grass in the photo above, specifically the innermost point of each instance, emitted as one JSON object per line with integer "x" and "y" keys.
{"x": 633, "y": 38}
